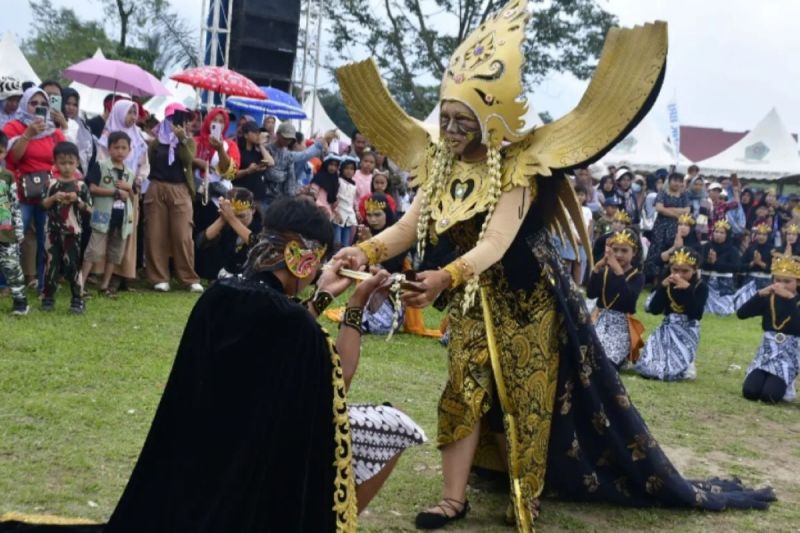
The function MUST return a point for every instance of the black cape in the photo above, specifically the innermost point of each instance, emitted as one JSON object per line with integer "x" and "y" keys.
{"x": 243, "y": 439}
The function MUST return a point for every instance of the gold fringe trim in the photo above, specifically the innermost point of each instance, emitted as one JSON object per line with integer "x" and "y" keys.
{"x": 43, "y": 519}
{"x": 344, "y": 489}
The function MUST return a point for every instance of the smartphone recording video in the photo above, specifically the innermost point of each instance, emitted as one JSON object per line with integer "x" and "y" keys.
{"x": 179, "y": 118}
{"x": 41, "y": 111}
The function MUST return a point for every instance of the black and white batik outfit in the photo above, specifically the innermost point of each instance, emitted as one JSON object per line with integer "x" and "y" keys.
{"x": 616, "y": 299}
{"x": 378, "y": 433}
{"x": 669, "y": 353}
{"x": 719, "y": 277}
{"x": 756, "y": 278}
{"x": 779, "y": 350}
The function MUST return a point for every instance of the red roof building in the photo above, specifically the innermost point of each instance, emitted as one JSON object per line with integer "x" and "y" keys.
{"x": 698, "y": 143}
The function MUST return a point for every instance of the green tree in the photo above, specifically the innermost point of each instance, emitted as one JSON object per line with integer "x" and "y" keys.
{"x": 412, "y": 40}
{"x": 58, "y": 39}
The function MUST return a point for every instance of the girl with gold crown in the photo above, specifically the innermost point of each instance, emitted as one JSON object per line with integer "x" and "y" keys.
{"x": 669, "y": 353}
{"x": 755, "y": 265}
{"x": 617, "y": 282}
{"x": 530, "y": 390}
{"x": 720, "y": 262}
{"x": 791, "y": 242}
{"x": 771, "y": 376}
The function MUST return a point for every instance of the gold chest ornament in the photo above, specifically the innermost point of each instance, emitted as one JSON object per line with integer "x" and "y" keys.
{"x": 464, "y": 195}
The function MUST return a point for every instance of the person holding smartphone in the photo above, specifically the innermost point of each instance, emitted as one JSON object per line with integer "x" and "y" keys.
{"x": 32, "y": 138}
{"x": 54, "y": 96}
{"x": 168, "y": 204}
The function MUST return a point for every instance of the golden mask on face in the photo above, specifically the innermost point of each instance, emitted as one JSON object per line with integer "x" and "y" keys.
{"x": 485, "y": 74}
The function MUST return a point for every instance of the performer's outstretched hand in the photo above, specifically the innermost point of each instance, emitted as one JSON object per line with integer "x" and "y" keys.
{"x": 352, "y": 257}
{"x": 433, "y": 282}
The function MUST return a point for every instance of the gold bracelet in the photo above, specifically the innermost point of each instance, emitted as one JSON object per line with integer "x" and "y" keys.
{"x": 374, "y": 249}
{"x": 460, "y": 271}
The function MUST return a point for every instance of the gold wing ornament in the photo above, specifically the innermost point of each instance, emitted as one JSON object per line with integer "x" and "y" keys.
{"x": 624, "y": 87}
{"x": 373, "y": 110}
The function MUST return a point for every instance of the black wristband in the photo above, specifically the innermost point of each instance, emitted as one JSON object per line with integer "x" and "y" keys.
{"x": 353, "y": 318}
{"x": 321, "y": 301}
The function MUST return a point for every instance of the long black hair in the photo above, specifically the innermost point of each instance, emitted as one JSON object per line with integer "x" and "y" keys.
{"x": 301, "y": 215}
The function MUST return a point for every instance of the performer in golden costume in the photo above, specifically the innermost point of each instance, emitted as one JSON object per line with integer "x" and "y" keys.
{"x": 524, "y": 362}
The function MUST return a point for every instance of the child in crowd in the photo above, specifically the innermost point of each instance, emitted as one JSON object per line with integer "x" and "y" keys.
{"x": 233, "y": 233}
{"x": 325, "y": 184}
{"x": 67, "y": 197}
{"x": 11, "y": 235}
{"x": 344, "y": 211}
{"x": 380, "y": 184}
{"x": 363, "y": 176}
{"x": 610, "y": 209}
{"x": 791, "y": 244}
{"x": 755, "y": 264}
{"x": 616, "y": 282}
{"x": 112, "y": 211}
{"x": 771, "y": 375}
{"x": 669, "y": 353}
{"x": 619, "y": 222}
{"x": 720, "y": 261}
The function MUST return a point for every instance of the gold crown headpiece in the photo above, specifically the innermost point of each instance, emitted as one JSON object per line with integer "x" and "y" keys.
{"x": 240, "y": 206}
{"x": 622, "y": 216}
{"x": 485, "y": 74}
{"x": 763, "y": 229}
{"x": 793, "y": 228}
{"x": 623, "y": 237}
{"x": 686, "y": 219}
{"x": 786, "y": 265}
{"x": 722, "y": 224}
{"x": 682, "y": 257}
{"x": 374, "y": 205}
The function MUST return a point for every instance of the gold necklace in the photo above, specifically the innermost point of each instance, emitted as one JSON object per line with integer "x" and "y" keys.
{"x": 774, "y": 317}
{"x": 605, "y": 301}
{"x": 676, "y": 308}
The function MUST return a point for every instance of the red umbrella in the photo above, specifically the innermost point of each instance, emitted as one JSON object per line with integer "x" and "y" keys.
{"x": 220, "y": 80}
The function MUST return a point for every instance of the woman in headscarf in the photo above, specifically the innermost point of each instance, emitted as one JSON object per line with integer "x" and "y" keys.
{"x": 168, "y": 204}
{"x": 700, "y": 206}
{"x": 325, "y": 184}
{"x": 32, "y": 136}
{"x": 216, "y": 162}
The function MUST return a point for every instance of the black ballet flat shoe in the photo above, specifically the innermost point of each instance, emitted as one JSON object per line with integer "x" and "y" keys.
{"x": 427, "y": 520}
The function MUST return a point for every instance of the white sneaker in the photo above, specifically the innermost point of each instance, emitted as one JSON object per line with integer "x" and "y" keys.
{"x": 161, "y": 287}
{"x": 195, "y": 287}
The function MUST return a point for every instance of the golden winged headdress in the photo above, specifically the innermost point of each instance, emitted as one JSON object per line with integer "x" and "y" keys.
{"x": 485, "y": 74}
{"x": 786, "y": 265}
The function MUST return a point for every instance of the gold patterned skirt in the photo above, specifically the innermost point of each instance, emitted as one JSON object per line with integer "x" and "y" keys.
{"x": 528, "y": 335}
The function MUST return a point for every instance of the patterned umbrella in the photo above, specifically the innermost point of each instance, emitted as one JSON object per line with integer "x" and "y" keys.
{"x": 278, "y": 103}
{"x": 220, "y": 80}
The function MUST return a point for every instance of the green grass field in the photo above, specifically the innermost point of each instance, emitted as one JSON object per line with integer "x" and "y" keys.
{"x": 77, "y": 394}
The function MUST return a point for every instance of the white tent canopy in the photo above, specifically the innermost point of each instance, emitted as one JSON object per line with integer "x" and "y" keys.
{"x": 645, "y": 148}
{"x": 322, "y": 122}
{"x": 13, "y": 62}
{"x": 768, "y": 152}
{"x": 181, "y": 93}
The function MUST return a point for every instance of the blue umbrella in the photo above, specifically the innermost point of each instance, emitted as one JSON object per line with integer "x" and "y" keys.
{"x": 278, "y": 103}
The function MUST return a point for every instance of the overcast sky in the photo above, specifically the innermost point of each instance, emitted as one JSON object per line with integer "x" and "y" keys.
{"x": 730, "y": 61}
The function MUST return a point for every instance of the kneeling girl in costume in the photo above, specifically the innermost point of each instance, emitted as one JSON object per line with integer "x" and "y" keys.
{"x": 669, "y": 353}
{"x": 755, "y": 265}
{"x": 771, "y": 375}
{"x": 720, "y": 261}
{"x": 616, "y": 282}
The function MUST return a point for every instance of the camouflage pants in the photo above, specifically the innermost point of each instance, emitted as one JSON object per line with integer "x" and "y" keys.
{"x": 63, "y": 259}
{"x": 11, "y": 269}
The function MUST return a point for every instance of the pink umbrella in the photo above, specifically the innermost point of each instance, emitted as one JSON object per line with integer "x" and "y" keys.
{"x": 220, "y": 80}
{"x": 117, "y": 76}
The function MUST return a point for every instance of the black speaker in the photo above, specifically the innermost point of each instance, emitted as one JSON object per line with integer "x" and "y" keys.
{"x": 264, "y": 40}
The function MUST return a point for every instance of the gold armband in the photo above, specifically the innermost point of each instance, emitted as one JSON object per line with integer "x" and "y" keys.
{"x": 374, "y": 249}
{"x": 460, "y": 271}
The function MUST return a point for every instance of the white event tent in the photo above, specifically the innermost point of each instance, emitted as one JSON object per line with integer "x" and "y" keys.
{"x": 768, "y": 152}
{"x": 645, "y": 148}
{"x": 13, "y": 62}
{"x": 322, "y": 122}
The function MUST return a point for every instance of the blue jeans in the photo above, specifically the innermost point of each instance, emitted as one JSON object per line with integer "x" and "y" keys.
{"x": 36, "y": 214}
{"x": 342, "y": 235}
